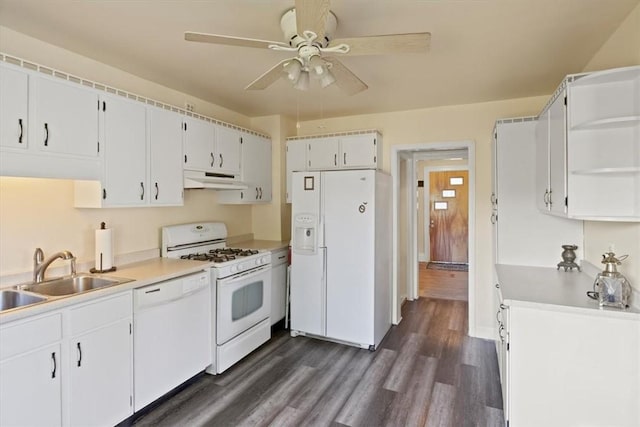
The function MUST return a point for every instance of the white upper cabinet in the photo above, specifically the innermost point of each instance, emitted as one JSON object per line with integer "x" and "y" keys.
{"x": 551, "y": 157}
{"x": 142, "y": 163}
{"x": 165, "y": 157}
{"x": 227, "y": 150}
{"x": 323, "y": 153}
{"x": 604, "y": 145}
{"x": 125, "y": 141}
{"x": 14, "y": 107}
{"x": 348, "y": 151}
{"x": 199, "y": 140}
{"x": 256, "y": 172}
{"x": 359, "y": 151}
{"x": 66, "y": 118}
{"x": 48, "y": 126}
{"x": 592, "y": 130}
{"x": 296, "y": 160}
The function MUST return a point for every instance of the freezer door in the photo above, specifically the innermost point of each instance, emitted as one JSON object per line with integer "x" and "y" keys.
{"x": 305, "y": 212}
{"x": 349, "y": 230}
{"x": 308, "y": 296}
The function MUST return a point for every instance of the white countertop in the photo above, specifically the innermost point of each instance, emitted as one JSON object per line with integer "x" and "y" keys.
{"x": 541, "y": 286}
{"x": 141, "y": 273}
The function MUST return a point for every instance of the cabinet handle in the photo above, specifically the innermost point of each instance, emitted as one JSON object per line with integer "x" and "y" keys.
{"x": 500, "y": 333}
{"x": 79, "y": 355}
{"x": 344, "y": 158}
{"x": 546, "y": 197}
{"x": 282, "y": 257}
{"x": 503, "y": 307}
{"x": 55, "y": 366}
{"x": 21, "y": 131}
{"x": 493, "y": 218}
{"x": 46, "y": 135}
{"x": 550, "y": 199}
{"x": 335, "y": 160}
{"x": 260, "y": 193}
{"x": 241, "y": 195}
{"x": 157, "y": 191}
{"x": 213, "y": 160}
{"x": 494, "y": 199}
{"x": 185, "y": 158}
{"x": 142, "y": 191}
{"x": 257, "y": 193}
{"x": 104, "y": 194}
{"x": 221, "y": 160}
{"x": 498, "y": 317}
{"x": 498, "y": 285}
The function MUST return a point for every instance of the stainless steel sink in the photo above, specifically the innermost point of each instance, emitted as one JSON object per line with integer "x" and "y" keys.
{"x": 13, "y": 299}
{"x": 72, "y": 285}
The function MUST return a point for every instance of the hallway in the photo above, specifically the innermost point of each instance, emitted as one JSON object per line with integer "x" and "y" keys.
{"x": 442, "y": 284}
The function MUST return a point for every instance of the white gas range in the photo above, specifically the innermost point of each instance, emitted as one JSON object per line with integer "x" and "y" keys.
{"x": 241, "y": 280}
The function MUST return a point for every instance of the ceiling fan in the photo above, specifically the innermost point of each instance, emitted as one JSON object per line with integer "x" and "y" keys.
{"x": 308, "y": 29}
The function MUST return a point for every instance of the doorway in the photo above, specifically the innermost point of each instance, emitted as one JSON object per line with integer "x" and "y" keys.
{"x": 407, "y": 220}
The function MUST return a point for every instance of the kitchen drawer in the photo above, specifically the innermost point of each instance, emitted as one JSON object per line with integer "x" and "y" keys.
{"x": 279, "y": 256}
{"x": 29, "y": 335}
{"x": 102, "y": 312}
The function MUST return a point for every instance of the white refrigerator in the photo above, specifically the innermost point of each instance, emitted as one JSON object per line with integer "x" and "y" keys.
{"x": 341, "y": 256}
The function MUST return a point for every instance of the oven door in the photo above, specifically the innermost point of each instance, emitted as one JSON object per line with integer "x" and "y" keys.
{"x": 243, "y": 301}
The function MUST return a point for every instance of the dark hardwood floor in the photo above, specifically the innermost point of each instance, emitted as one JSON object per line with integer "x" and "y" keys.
{"x": 427, "y": 371}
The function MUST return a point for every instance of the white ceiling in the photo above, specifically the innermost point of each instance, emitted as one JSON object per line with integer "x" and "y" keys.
{"x": 481, "y": 50}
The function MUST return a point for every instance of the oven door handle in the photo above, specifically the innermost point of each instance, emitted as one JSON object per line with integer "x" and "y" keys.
{"x": 245, "y": 275}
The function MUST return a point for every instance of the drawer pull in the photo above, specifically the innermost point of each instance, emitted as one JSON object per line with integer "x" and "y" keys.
{"x": 55, "y": 367}
{"x": 152, "y": 291}
{"x": 79, "y": 355}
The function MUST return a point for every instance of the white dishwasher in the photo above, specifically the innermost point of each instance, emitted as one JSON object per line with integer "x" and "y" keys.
{"x": 172, "y": 335}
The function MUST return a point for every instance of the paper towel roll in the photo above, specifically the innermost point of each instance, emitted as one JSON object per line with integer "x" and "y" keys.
{"x": 104, "y": 249}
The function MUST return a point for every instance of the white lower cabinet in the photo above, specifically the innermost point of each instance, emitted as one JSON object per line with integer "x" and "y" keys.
{"x": 279, "y": 262}
{"x": 100, "y": 362}
{"x": 71, "y": 367}
{"x": 30, "y": 372}
{"x": 568, "y": 368}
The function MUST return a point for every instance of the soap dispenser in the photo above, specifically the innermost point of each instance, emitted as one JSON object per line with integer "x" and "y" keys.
{"x": 612, "y": 288}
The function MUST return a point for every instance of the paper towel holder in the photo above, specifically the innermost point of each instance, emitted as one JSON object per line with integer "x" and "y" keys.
{"x": 100, "y": 270}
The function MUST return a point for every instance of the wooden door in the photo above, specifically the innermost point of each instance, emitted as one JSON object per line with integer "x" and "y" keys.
{"x": 449, "y": 216}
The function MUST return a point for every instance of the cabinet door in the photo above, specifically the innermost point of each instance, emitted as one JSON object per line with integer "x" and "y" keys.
{"x": 67, "y": 118}
{"x": 358, "y": 151}
{"x": 263, "y": 173}
{"x": 296, "y": 160}
{"x": 165, "y": 157}
{"x": 101, "y": 375}
{"x": 30, "y": 388}
{"x": 278, "y": 287}
{"x": 557, "y": 156}
{"x": 14, "y": 95}
{"x": 542, "y": 162}
{"x": 227, "y": 150}
{"x": 125, "y": 152}
{"x": 198, "y": 139}
{"x": 323, "y": 153}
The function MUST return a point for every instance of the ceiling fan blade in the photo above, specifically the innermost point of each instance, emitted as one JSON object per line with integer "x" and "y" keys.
{"x": 269, "y": 77}
{"x": 348, "y": 82}
{"x": 311, "y": 15}
{"x": 230, "y": 40}
{"x": 392, "y": 43}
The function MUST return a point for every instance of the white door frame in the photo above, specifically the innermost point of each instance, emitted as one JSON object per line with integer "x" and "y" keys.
{"x": 411, "y": 150}
{"x": 425, "y": 205}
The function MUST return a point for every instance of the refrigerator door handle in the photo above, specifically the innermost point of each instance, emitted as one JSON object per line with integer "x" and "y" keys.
{"x": 323, "y": 296}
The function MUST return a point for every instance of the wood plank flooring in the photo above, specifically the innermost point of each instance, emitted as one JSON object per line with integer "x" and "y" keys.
{"x": 442, "y": 284}
{"x": 426, "y": 372}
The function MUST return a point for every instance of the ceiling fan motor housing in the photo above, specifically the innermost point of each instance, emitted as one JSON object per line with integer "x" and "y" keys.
{"x": 292, "y": 35}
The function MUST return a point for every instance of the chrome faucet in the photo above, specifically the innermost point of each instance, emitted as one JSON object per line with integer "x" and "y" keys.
{"x": 40, "y": 264}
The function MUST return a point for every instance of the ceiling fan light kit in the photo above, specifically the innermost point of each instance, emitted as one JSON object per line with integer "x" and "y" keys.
{"x": 308, "y": 29}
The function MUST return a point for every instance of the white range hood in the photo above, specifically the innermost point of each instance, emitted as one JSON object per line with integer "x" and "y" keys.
{"x": 216, "y": 181}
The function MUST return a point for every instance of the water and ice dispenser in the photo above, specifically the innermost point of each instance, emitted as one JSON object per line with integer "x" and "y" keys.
{"x": 305, "y": 234}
